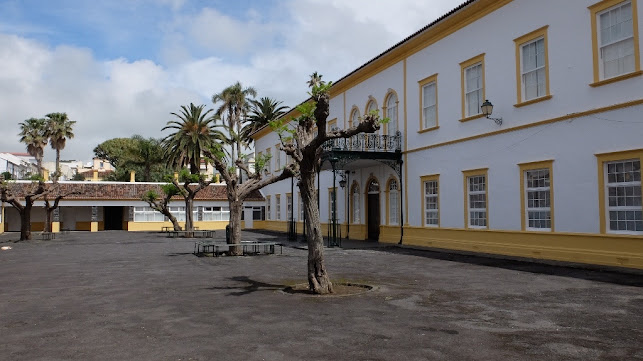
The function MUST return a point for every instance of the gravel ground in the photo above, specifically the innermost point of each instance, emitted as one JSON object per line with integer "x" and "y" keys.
{"x": 140, "y": 296}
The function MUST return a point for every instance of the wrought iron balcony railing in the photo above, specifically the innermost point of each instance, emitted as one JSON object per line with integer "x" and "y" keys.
{"x": 366, "y": 143}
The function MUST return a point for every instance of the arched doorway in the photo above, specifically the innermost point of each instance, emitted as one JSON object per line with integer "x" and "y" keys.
{"x": 373, "y": 209}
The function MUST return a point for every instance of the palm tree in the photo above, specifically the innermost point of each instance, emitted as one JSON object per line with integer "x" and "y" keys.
{"x": 193, "y": 133}
{"x": 33, "y": 133}
{"x": 59, "y": 129}
{"x": 262, "y": 112}
{"x": 235, "y": 106}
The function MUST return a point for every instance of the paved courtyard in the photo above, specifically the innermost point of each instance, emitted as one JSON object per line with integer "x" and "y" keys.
{"x": 141, "y": 296}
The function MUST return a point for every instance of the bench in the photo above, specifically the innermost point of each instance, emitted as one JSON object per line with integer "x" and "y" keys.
{"x": 248, "y": 247}
{"x": 195, "y": 234}
{"x": 46, "y": 236}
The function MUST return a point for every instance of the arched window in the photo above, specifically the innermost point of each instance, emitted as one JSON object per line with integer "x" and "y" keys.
{"x": 393, "y": 202}
{"x": 391, "y": 113}
{"x": 371, "y": 106}
{"x": 355, "y": 203}
{"x": 354, "y": 120}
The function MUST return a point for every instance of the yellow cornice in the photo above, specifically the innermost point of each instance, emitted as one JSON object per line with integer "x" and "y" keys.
{"x": 433, "y": 34}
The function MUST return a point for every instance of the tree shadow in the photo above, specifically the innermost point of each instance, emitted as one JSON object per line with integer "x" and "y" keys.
{"x": 251, "y": 287}
{"x": 623, "y": 277}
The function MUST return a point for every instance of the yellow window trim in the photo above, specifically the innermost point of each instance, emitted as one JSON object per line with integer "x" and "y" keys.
{"x": 472, "y": 173}
{"x": 533, "y": 101}
{"x": 386, "y": 192}
{"x": 426, "y": 178}
{"x": 385, "y": 107}
{"x": 594, "y": 10}
{"x": 543, "y": 164}
{"x": 601, "y": 158}
{"x": 430, "y": 79}
{"x": 464, "y": 65}
{"x": 471, "y": 118}
{"x": 617, "y": 78}
{"x": 427, "y": 130}
{"x": 532, "y": 36}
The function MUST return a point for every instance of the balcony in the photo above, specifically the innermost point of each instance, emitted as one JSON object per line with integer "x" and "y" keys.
{"x": 363, "y": 151}
{"x": 366, "y": 143}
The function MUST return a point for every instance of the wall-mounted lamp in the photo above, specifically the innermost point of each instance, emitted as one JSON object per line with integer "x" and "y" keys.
{"x": 487, "y": 109}
{"x": 342, "y": 180}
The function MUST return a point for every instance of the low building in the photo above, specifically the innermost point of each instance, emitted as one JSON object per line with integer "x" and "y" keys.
{"x": 118, "y": 206}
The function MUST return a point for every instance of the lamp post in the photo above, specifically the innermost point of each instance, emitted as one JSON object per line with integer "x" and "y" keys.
{"x": 292, "y": 231}
{"x": 333, "y": 241}
{"x": 342, "y": 183}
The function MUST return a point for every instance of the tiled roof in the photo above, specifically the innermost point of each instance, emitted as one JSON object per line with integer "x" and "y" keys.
{"x": 122, "y": 191}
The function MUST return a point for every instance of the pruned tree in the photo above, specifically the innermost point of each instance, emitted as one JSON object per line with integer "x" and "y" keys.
{"x": 11, "y": 192}
{"x": 298, "y": 139}
{"x": 51, "y": 207}
{"x": 190, "y": 184}
{"x": 236, "y": 191}
{"x": 162, "y": 204}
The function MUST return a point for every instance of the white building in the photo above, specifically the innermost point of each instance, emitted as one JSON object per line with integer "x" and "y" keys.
{"x": 17, "y": 164}
{"x": 557, "y": 177}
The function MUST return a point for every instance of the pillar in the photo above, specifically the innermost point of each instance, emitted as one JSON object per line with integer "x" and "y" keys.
{"x": 94, "y": 224}
{"x": 55, "y": 222}
{"x": 95, "y": 177}
{"x": 132, "y": 176}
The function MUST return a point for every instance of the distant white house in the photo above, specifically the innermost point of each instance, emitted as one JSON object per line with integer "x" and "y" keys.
{"x": 18, "y": 164}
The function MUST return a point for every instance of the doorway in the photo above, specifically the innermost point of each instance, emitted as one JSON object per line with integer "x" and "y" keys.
{"x": 113, "y": 218}
{"x": 373, "y": 199}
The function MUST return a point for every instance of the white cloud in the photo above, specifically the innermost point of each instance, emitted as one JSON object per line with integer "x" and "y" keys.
{"x": 273, "y": 51}
{"x": 106, "y": 99}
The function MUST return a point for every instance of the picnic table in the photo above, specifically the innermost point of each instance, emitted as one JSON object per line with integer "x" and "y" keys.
{"x": 48, "y": 235}
{"x": 195, "y": 233}
{"x": 248, "y": 247}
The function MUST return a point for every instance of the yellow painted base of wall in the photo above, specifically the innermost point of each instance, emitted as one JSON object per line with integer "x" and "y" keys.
{"x": 596, "y": 249}
{"x": 87, "y": 226}
{"x": 94, "y": 227}
{"x": 158, "y": 226}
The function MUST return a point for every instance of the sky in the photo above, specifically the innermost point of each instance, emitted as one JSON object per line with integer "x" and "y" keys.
{"x": 120, "y": 67}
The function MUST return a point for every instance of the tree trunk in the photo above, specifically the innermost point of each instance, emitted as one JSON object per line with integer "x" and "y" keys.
{"x": 57, "y": 172}
{"x": 189, "y": 204}
{"x": 236, "y": 207}
{"x": 318, "y": 279}
{"x": 25, "y": 222}
{"x": 49, "y": 212}
{"x": 39, "y": 166}
{"x": 175, "y": 223}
